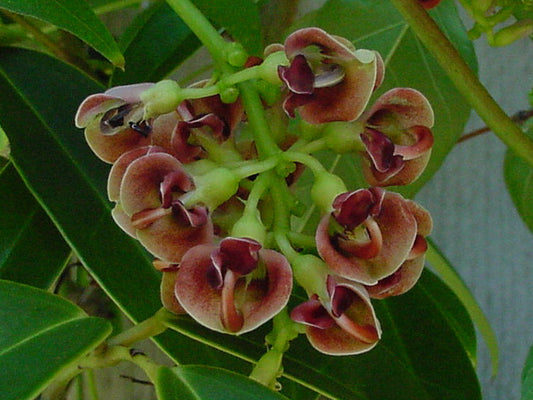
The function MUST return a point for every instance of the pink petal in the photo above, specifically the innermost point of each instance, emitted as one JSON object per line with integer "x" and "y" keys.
{"x": 400, "y": 281}
{"x": 256, "y": 301}
{"x": 299, "y": 76}
{"x": 312, "y": 313}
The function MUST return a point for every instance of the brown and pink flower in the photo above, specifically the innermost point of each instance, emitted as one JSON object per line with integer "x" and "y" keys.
{"x": 328, "y": 80}
{"x": 343, "y": 323}
{"x": 235, "y": 286}
{"x": 371, "y": 235}
{"x": 397, "y": 137}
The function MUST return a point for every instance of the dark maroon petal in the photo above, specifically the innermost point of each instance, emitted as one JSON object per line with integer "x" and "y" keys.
{"x": 237, "y": 254}
{"x": 298, "y": 76}
{"x": 176, "y": 181}
{"x": 341, "y": 299}
{"x": 352, "y": 208}
{"x": 381, "y": 151}
{"x": 194, "y": 217}
{"x": 312, "y": 313}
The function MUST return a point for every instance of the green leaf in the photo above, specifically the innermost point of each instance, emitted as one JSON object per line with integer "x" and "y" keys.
{"x": 448, "y": 274}
{"x": 527, "y": 377}
{"x": 200, "y": 382}
{"x": 239, "y": 17}
{"x": 154, "y": 44}
{"x": 378, "y": 26}
{"x": 26, "y": 231}
{"x": 41, "y": 334}
{"x": 426, "y": 324}
{"x": 276, "y": 17}
{"x": 74, "y": 16}
{"x": 518, "y": 176}
{"x": 70, "y": 184}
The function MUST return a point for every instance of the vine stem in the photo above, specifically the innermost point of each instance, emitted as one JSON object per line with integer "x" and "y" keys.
{"x": 464, "y": 78}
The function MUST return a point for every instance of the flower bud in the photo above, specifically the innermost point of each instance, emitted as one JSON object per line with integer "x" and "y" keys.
{"x": 268, "y": 70}
{"x": 162, "y": 98}
{"x": 311, "y": 272}
{"x": 249, "y": 226}
{"x": 343, "y": 137}
{"x": 213, "y": 188}
{"x": 326, "y": 187}
{"x": 511, "y": 33}
{"x": 236, "y": 55}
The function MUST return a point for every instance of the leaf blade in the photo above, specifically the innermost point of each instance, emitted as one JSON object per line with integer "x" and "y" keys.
{"x": 74, "y": 16}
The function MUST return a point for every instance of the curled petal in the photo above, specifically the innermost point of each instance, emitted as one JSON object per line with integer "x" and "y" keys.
{"x": 329, "y": 45}
{"x": 312, "y": 313}
{"x": 356, "y": 328}
{"x": 398, "y": 228}
{"x": 299, "y": 76}
{"x": 400, "y": 281}
{"x": 242, "y": 305}
{"x": 239, "y": 255}
{"x": 352, "y": 208}
{"x": 168, "y": 298}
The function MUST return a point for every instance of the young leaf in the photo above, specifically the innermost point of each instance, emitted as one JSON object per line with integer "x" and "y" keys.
{"x": 239, "y": 17}
{"x": 154, "y": 44}
{"x": 527, "y": 377}
{"x": 41, "y": 334}
{"x": 26, "y": 231}
{"x": 192, "y": 382}
{"x": 74, "y": 16}
{"x": 519, "y": 180}
{"x": 408, "y": 64}
{"x": 446, "y": 272}
{"x": 417, "y": 330}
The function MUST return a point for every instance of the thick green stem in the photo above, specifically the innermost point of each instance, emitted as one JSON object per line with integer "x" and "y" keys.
{"x": 464, "y": 78}
{"x": 146, "y": 329}
{"x": 202, "y": 28}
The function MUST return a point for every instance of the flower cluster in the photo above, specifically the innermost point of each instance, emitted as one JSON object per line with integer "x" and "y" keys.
{"x": 195, "y": 180}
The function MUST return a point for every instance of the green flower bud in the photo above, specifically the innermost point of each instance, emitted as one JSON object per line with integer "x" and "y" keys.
{"x": 511, "y": 33}
{"x": 236, "y": 55}
{"x": 268, "y": 70}
{"x": 213, "y": 188}
{"x": 343, "y": 137}
{"x": 229, "y": 95}
{"x": 326, "y": 187}
{"x": 311, "y": 273}
{"x": 161, "y": 98}
{"x": 250, "y": 226}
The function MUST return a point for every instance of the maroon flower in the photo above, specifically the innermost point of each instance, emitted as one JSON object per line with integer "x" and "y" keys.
{"x": 397, "y": 137}
{"x": 149, "y": 194}
{"x": 327, "y": 78}
{"x": 344, "y": 323}
{"x": 233, "y": 287}
{"x": 370, "y": 234}
{"x": 114, "y": 123}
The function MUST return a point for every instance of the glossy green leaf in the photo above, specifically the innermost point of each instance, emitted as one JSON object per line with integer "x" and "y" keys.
{"x": 207, "y": 383}
{"x": 426, "y": 324}
{"x": 37, "y": 339}
{"x": 408, "y": 64}
{"x": 154, "y": 44}
{"x": 448, "y": 274}
{"x": 74, "y": 16}
{"x": 70, "y": 183}
{"x": 26, "y": 231}
{"x": 527, "y": 377}
{"x": 519, "y": 180}
{"x": 4, "y": 144}
{"x": 239, "y": 17}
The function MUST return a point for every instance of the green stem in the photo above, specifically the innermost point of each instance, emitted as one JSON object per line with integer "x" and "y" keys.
{"x": 266, "y": 146}
{"x": 464, "y": 78}
{"x": 146, "y": 329}
{"x": 115, "y": 6}
{"x": 255, "y": 167}
{"x": 309, "y": 161}
{"x": 203, "y": 29}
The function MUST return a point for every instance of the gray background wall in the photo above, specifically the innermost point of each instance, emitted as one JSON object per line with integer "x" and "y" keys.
{"x": 478, "y": 228}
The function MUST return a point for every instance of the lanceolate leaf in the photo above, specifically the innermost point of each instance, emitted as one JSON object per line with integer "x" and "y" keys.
{"x": 418, "y": 330}
{"x": 26, "y": 231}
{"x": 519, "y": 180}
{"x": 408, "y": 64}
{"x": 74, "y": 16}
{"x": 154, "y": 44}
{"x": 207, "y": 383}
{"x": 41, "y": 334}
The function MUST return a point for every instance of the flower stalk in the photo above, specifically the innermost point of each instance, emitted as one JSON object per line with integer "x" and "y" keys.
{"x": 464, "y": 78}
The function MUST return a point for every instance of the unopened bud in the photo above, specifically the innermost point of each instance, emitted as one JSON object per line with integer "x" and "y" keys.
{"x": 161, "y": 98}
{"x": 326, "y": 187}
{"x": 511, "y": 33}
